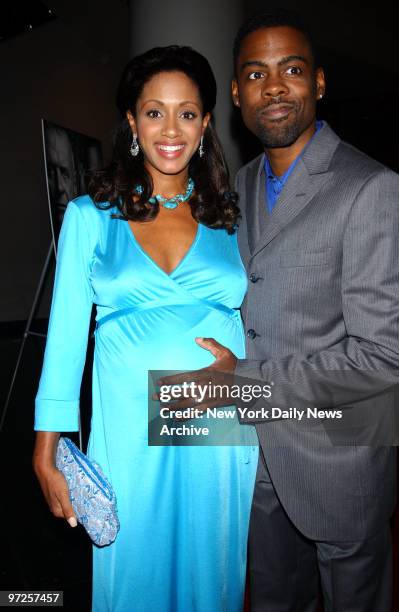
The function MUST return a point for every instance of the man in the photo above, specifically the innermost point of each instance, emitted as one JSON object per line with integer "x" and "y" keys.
{"x": 61, "y": 172}
{"x": 319, "y": 238}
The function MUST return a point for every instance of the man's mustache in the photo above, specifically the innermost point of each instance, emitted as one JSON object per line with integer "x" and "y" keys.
{"x": 276, "y": 103}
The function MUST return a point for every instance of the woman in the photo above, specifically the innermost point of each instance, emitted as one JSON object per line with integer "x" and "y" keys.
{"x": 154, "y": 248}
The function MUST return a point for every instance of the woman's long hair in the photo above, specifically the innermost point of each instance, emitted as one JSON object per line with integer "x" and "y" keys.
{"x": 212, "y": 204}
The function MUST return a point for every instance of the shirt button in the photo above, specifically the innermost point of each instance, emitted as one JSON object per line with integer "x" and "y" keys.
{"x": 253, "y": 278}
{"x": 251, "y": 333}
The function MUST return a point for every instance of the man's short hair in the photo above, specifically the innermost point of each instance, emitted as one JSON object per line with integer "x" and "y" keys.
{"x": 280, "y": 18}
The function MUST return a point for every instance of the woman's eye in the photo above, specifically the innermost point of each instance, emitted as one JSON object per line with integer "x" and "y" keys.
{"x": 153, "y": 114}
{"x": 255, "y": 75}
{"x": 188, "y": 115}
{"x": 294, "y": 70}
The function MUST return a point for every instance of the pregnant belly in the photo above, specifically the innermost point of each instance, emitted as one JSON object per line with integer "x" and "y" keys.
{"x": 129, "y": 346}
{"x": 164, "y": 338}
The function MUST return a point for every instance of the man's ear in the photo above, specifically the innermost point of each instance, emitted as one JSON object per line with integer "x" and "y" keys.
{"x": 234, "y": 92}
{"x": 320, "y": 83}
{"x": 132, "y": 122}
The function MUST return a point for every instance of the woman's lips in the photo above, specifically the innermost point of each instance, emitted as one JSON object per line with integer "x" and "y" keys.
{"x": 170, "y": 151}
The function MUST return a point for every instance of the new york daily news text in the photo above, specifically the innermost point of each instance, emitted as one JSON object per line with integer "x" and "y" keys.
{"x": 332, "y": 407}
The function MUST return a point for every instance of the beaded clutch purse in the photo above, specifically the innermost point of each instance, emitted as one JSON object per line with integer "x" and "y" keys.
{"x": 92, "y": 496}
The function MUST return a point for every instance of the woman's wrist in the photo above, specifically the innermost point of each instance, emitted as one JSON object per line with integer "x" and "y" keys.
{"x": 45, "y": 450}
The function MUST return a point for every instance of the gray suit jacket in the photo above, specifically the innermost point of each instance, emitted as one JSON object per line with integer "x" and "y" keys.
{"x": 323, "y": 299}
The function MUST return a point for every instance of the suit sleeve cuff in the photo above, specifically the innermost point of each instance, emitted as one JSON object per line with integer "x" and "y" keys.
{"x": 56, "y": 415}
{"x": 248, "y": 368}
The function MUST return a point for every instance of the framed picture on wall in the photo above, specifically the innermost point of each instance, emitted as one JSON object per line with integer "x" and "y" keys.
{"x": 69, "y": 159}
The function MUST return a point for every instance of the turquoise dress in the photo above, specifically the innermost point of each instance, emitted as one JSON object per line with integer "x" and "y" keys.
{"x": 184, "y": 510}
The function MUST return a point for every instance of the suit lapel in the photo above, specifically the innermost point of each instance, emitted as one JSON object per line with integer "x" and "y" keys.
{"x": 253, "y": 193}
{"x": 306, "y": 180}
{"x": 296, "y": 195}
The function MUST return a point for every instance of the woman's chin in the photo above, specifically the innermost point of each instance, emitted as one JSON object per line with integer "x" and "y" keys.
{"x": 168, "y": 166}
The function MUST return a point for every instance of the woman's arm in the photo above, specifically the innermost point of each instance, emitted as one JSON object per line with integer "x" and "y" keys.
{"x": 57, "y": 400}
{"x": 52, "y": 481}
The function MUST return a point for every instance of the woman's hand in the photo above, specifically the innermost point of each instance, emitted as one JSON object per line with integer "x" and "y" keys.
{"x": 52, "y": 481}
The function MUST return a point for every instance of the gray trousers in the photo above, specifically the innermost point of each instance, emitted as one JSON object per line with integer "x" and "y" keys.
{"x": 285, "y": 568}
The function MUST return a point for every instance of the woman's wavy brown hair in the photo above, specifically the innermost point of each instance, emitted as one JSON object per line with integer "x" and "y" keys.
{"x": 213, "y": 204}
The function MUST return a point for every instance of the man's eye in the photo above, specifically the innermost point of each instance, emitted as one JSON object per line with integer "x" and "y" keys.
{"x": 188, "y": 115}
{"x": 153, "y": 114}
{"x": 294, "y": 70}
{"x": 255, "y": 75}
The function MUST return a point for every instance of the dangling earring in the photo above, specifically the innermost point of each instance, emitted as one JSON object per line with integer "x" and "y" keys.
{"x": 201, "y": 150}
{"x": 134, "y": 149}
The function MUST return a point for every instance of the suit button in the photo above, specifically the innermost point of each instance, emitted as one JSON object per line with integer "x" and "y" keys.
{"x": 253, "y": 278}
{"x": 251, "y": 333}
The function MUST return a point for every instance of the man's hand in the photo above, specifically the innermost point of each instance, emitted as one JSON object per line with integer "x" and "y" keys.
{"x": 202, "y": 382}
{"x": 225, "y": 360}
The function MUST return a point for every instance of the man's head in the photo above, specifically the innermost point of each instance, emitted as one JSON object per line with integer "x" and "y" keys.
{"x": 277, "y": 79}
{"x": 60, "y": 167}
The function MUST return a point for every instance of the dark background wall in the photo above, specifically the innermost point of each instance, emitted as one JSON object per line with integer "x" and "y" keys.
{"x": 67, "y": 71}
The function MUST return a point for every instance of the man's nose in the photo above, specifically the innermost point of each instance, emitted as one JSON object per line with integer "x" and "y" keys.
{"x": 274, "y": 86}
{"x": 59, "y": 180}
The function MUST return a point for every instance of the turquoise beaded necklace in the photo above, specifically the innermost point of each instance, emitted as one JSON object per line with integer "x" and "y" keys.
{"x": 170, "y": 203}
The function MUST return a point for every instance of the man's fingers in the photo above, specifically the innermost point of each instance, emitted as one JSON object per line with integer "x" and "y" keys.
{"x": 180, "y": 404}
{"x": 201, "y": 406}
{"x": 184, "y": 377}
{"x": 211, "y": 345}
{"x": 210, "y": 403}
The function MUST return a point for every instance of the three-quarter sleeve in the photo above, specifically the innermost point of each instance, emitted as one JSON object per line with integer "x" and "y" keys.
{"x": 57, "y": 400}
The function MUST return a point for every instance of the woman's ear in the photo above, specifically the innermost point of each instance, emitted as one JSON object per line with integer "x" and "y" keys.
{"x": 132, "y": 122}
{"x": 205, "y": 121}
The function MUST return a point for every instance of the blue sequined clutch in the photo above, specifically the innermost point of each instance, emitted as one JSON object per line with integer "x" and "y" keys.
{"x": 92, "y": 496}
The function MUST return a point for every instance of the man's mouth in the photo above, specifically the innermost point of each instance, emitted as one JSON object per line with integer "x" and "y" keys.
{"x": 277, "y": 111}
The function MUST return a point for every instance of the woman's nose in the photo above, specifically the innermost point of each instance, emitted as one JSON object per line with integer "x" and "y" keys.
{"x": 171, "y": 127}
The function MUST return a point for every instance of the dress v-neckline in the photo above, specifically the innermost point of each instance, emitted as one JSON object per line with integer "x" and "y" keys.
{"x": 153, "y": 262}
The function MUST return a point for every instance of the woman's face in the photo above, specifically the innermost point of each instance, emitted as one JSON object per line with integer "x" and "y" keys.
{"x": 168, "y": 122}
